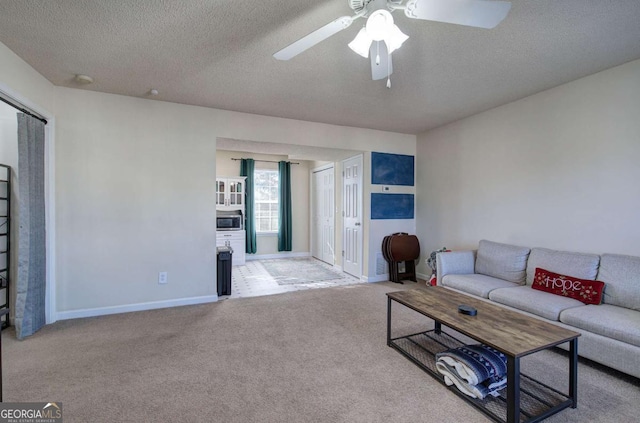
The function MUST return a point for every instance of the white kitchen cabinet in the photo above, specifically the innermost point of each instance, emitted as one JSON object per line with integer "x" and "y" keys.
{"x": 230, "y": 193}
{"x": 236, "y": 240}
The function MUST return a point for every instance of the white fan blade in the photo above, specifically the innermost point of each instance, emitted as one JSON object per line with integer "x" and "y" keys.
{"x": 478, "y": 13}
{"x": 314, "y": 38}
{"x": 381, "y": 65}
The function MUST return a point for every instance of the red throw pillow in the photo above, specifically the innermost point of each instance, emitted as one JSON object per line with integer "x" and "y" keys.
{"x": 589, "y": 292}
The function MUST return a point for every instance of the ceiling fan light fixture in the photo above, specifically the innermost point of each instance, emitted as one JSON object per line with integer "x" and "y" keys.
{"x": 361, "y": 43}
{"x": 379, "y": 24}
{"x": 395, "y": 38}
{"x": 379, "y": 27}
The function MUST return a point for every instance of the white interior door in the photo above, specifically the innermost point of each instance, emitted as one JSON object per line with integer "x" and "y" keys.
{"x": 328, "y": 218}
{"x": 316, "y": 225}
{"x": 352, "y": 212}
{"x": 322, "y": 215}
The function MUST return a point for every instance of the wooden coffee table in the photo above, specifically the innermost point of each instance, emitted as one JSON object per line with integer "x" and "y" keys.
{"x": 514, "y": 334}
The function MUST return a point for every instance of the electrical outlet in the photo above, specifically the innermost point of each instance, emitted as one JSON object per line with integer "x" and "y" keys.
{"x": 163, "y": 278}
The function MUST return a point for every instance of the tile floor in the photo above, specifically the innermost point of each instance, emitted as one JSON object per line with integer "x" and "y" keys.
{"x": 253, "y": 280}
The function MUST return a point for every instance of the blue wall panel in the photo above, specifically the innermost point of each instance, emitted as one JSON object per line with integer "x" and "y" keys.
{"x": 392, "y": 206}
{"x": 392, "y": 169}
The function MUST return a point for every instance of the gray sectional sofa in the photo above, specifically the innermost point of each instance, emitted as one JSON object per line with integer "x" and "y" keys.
{"x": 504, "y": 274}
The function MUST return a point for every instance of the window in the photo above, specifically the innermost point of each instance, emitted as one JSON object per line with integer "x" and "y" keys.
{"x": 266, "y": 200}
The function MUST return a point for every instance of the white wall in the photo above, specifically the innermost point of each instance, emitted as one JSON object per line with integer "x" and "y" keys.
{"x": 135, "y": 192}
{"x": 559, "y": 169}
{"x": 134, "y": 188}
{"x": 135, "y": 196}
{"x": 16, "y": 76}
{"x": 268, "y": 243}
{"x": 8, "y": 136}
{"x": 376, "y": 230}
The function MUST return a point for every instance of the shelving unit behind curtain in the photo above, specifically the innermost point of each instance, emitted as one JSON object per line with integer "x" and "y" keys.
{"x": 5, "y": 244}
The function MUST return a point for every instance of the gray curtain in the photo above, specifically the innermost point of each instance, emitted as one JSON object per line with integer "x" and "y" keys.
{"x": 31, "y": 282}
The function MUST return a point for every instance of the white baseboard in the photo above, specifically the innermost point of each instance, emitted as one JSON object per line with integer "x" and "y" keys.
{"x": 377, "y": 278}
{"x": 423, "y": 276}
{"x": 127, "y": 308}
{"x": 276, "y": 256}
{"x": 384, "y": 278}
{"x": 337, "y": 268}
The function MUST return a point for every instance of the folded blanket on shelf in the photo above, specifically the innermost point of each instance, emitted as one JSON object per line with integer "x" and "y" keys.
{"x": 477, "y": 370}
{"x": 480, "y": 391}
{"x": 475, "y": 363}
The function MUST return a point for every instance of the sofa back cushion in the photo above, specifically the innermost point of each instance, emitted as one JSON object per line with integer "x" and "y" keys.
{"x": 621, "y": 274}
{"x": 502, "y": 261}
{"x": 578, "y": 265}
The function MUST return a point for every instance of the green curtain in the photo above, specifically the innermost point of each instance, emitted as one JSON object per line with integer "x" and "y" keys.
{"x": 246, "y": 169}
{"x": 284, "y": 221}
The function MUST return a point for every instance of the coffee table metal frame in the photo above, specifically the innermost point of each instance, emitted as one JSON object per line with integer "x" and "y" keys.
{"x": 514, "y": 377}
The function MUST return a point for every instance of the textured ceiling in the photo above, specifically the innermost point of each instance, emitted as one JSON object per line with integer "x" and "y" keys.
{"x": 217, "y": 53}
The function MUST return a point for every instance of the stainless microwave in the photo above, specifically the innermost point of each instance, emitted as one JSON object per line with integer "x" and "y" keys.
{"x": 229, "y": 221}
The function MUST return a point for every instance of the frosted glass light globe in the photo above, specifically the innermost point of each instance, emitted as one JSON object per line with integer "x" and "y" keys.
{"x": 379, "y": 24}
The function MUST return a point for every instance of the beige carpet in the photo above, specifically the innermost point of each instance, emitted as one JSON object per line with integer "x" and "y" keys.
{"x": 307, "y": 356}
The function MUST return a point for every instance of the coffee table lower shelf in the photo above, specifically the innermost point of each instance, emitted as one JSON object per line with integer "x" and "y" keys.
{"x": 537, "y": 400}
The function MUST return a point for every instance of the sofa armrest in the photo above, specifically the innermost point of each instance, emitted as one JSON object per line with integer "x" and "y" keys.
{"x": 455, "y": 263}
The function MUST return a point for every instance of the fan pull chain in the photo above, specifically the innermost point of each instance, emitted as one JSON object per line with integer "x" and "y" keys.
{"x": 389, "y": 71}
{"x": 378, "y": 53}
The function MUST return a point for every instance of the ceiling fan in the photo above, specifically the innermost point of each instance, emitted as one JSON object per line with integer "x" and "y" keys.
{"x": 380, "y": 36}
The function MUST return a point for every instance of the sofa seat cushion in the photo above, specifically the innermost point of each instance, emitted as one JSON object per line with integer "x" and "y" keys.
{"x": 611, "y": 321}
{"x": 578, "y": 265}
{"x": 502, "y": 261}
{"x": 536, "y": 302}
{"x": 480, "y": 285}
{"x": 621, "y": 274}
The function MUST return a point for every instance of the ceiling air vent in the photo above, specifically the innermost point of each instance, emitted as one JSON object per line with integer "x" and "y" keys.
{"x": 381, "y": 265}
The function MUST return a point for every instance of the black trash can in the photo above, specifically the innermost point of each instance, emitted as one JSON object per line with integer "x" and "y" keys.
{"x": 224, "y": 270}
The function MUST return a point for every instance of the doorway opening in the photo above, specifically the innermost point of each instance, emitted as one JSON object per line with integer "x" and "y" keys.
{"x": 317, "y": 219}
{"x": 26, "y": 147}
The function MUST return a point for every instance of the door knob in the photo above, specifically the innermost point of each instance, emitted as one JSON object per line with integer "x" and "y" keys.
{"x": 357, "y": 223}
